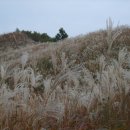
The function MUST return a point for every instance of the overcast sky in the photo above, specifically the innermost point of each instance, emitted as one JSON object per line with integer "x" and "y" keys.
{"x": 75, "y": 16}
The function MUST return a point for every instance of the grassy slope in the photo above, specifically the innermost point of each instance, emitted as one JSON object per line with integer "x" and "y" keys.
{"x": 80, "y": 83}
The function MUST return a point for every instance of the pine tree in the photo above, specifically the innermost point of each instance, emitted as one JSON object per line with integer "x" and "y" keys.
{"x": 61, "y": 35}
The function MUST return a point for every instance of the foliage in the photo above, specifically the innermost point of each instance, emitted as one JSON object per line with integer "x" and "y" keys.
{"x": 38, "y": 37}
{"x": 44, "y": 65}
{"x": 44, "y": 37}
{"x": 61, "y": 35}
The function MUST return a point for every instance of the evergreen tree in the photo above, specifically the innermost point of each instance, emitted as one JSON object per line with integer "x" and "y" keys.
{"x": 44, "y": 37}
{"x": 61, "y": 35}
{"x": 17, "y": 30}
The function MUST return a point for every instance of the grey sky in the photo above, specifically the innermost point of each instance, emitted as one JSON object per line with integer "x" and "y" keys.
{"x": 75, "y": 16}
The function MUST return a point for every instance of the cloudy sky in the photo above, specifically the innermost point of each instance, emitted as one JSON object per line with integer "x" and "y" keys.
{"x": 75, "y": 16}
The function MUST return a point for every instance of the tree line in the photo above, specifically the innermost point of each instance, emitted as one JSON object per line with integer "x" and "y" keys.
{"x": 44, "y": 37}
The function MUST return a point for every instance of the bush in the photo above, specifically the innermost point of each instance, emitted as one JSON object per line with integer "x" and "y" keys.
{"x": 45, "y": 66}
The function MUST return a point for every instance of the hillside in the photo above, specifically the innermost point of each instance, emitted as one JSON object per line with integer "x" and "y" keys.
{"x": 14, "y": 40}
{"x": 79, "y": 83}
{"x": 93, "y": 43}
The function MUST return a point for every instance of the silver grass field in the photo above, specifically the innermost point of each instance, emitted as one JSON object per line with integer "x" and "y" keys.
{"x": 80, "y": 83}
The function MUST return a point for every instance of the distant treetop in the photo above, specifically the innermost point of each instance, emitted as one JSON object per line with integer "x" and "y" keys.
{"x": 61, "y": 35}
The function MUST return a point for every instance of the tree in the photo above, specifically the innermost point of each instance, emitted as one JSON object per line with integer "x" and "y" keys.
{"x": 38, "y": 37}
{"x": 44, "y": 37}
{"x": 61, "y": 35}
{"x": 17, "y": 30}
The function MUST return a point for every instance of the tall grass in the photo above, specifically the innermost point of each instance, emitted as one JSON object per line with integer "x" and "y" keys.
{"x": 82, "y": 89}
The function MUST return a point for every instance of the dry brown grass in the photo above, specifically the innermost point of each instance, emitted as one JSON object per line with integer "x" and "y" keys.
{"x": 75, "y": 84}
